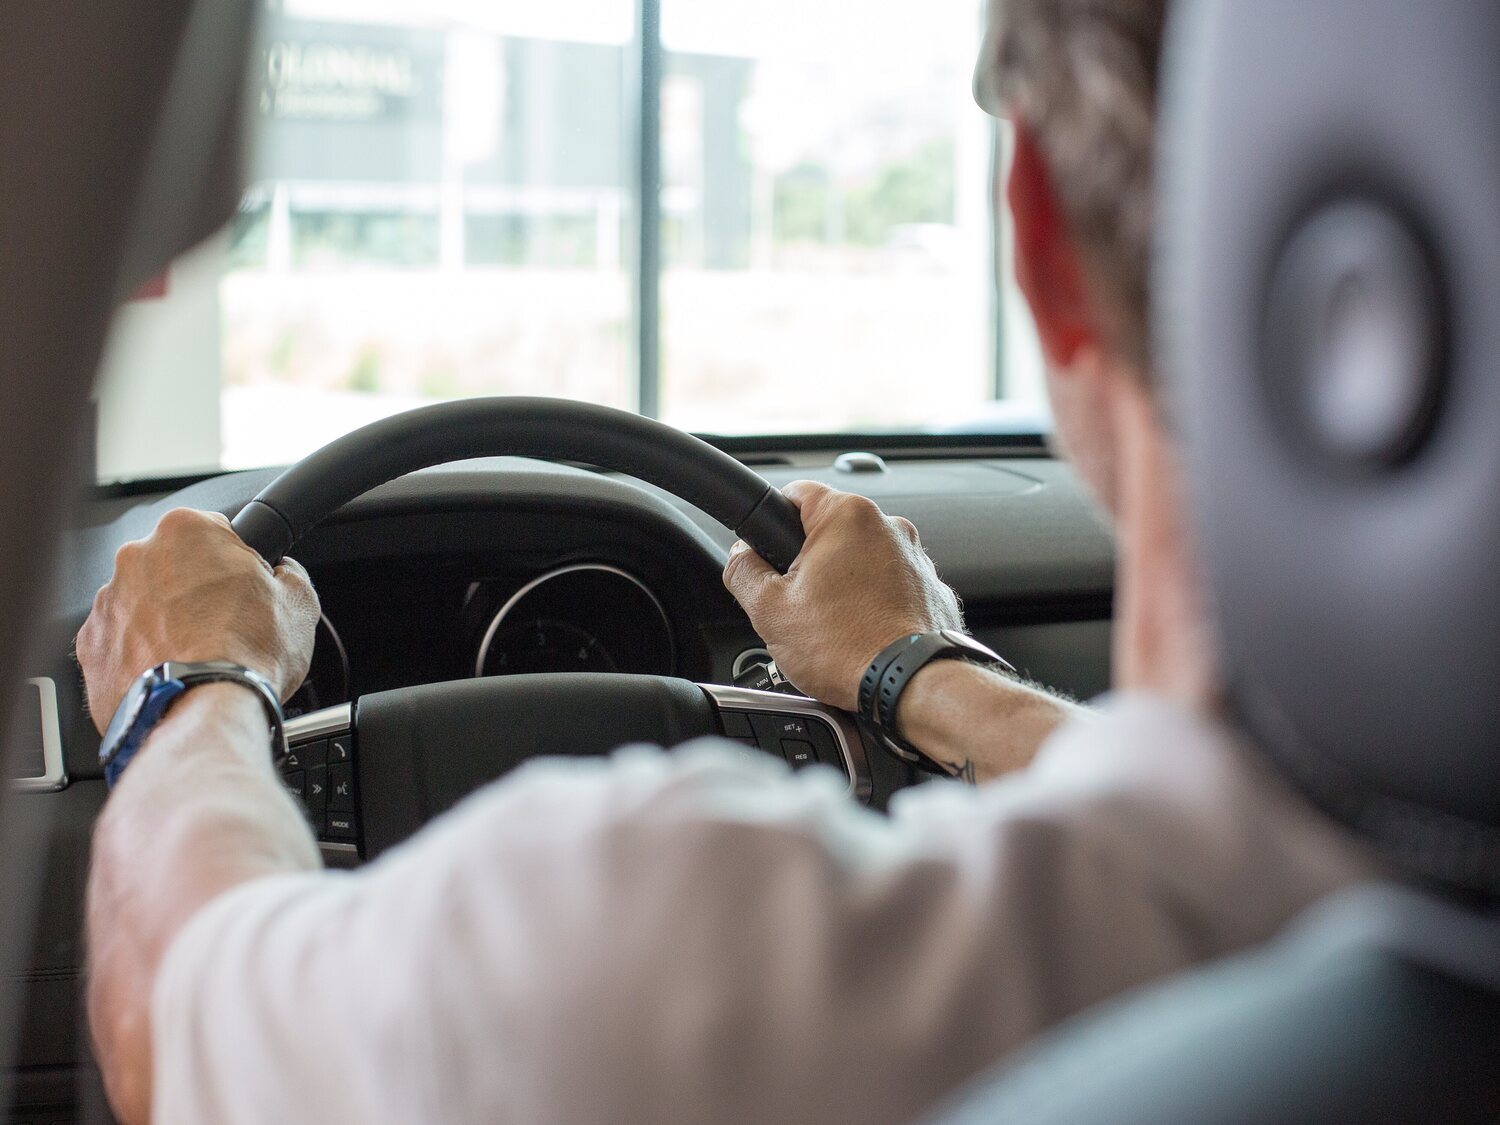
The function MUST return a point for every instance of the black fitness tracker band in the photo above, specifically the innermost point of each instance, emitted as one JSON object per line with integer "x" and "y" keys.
{"x": 888, "y": 674}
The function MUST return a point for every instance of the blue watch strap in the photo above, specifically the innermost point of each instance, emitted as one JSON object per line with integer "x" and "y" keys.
{"x": 154, "y": 692}
{"x": 160, "y": 698}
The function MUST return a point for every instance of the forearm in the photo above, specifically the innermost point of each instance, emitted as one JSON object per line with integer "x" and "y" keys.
{"x": 977, "y": 723}
{"x": 199, "y": 811}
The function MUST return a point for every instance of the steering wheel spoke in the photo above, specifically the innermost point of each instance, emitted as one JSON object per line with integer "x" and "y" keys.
{"x": 802, "y": 731}
{"x": 371, "y": 773}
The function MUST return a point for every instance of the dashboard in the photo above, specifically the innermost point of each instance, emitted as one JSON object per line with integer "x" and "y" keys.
{"x": 503, "y": 565}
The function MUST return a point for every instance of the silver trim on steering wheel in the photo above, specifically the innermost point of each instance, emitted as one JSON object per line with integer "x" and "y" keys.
{"x": 315, "y": 724}
{"x": 851, "y": 748}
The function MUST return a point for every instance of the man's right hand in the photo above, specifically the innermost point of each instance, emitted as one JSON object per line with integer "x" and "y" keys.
{"x": 861, "y": 580}
{"x": 192, "y": 590}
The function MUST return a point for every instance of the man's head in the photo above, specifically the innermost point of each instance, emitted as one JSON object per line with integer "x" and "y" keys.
{"x": 1079, "y": 80}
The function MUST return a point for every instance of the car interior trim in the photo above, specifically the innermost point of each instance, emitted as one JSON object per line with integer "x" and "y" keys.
{"x": 54, "y": 775}
{"x": 845, "y": 731}
{"x": 748, "y": 657}
{"x": 315, "y": 724}
{"x": 337, "y": 719}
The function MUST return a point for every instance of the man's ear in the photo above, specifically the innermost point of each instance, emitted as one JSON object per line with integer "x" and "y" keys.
{"x": 1048, "y": 268}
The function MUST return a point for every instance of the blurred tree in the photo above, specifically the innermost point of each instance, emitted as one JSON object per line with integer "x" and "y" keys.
{"x": 800, "y": 205}
{"x": 918, "y": 189}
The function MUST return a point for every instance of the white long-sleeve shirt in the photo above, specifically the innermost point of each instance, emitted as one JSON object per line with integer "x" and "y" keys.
{"x": 700, "y": 937}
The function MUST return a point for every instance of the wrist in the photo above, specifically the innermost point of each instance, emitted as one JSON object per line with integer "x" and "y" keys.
{"x": 931, "y": 711}
{"x": 977, "y": 722}
{"x": 225, "y": 702}
{"x": 891, "y": 672}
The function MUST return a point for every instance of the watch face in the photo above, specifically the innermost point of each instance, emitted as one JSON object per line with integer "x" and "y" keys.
{"x": 125, "y": 715}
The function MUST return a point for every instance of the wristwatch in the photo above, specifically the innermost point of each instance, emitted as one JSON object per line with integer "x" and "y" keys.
{"x": 886, "y": 678}
{"x": 153, "y": 692}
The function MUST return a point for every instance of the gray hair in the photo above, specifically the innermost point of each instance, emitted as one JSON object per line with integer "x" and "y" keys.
{"x": 1081, "y": 76}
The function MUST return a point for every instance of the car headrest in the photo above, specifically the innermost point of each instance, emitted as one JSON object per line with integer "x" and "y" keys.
{"x": 193, "y": 175}
{"x": 116, "y": 123}
{"x": 1328, "y": 317}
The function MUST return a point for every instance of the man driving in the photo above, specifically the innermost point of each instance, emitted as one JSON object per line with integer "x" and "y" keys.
{"x": 693, "y": 935}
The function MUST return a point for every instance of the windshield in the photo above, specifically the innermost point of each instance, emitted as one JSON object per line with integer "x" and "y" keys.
{"x": 446, "y": 200}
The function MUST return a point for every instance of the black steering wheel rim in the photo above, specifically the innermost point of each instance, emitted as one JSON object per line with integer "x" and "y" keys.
{"x": 546, "y": 428}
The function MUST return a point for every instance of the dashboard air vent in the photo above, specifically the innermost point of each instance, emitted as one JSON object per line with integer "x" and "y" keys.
{"x": 36, "y": 739}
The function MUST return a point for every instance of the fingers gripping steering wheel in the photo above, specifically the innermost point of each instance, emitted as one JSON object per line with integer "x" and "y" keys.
{"x": 420, "y": 749}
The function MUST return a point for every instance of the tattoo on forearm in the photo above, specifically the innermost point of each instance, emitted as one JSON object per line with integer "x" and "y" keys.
{"x": 963, "y": 771}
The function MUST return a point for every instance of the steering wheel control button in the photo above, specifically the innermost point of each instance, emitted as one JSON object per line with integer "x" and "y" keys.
{"x": 309, "y": 755}
{"x": 316, "y": 795}
{"x": 319, "y": 771}
{"x": 825, "y": 743}
{"x": 340, "y": 749}
{"x": 736, "y": 724}
{"x": 791, "y": 726}
{"x": 341, "y": 788}
{"x": 767, "y": 729}
{"x": 798, "y": 730}
{"x": 800, "y": 754}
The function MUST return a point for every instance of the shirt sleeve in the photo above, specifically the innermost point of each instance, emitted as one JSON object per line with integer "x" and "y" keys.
{"x": 698, "y": 936}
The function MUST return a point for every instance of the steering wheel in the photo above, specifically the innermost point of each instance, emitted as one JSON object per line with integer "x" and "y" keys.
{"x": 415, "y": 751}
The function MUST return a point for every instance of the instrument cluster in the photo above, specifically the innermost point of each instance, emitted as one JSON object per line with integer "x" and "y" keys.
{"x": 579, "y": 617}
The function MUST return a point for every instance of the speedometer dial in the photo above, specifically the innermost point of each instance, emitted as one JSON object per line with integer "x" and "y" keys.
{"x": 586, "y": 617}
{"x": 547, "y": 646}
